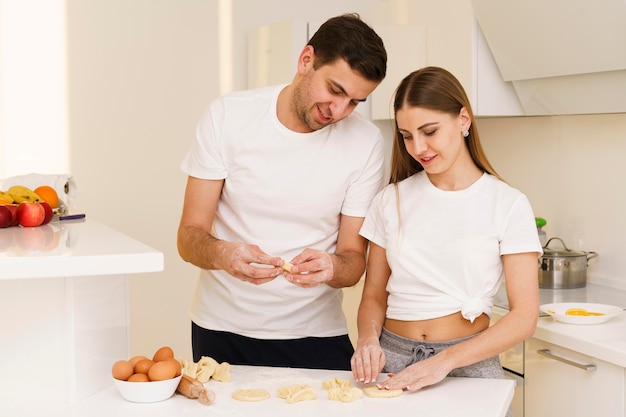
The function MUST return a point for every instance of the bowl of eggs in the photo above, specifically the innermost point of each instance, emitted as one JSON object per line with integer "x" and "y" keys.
{"x": 144, "y": 380}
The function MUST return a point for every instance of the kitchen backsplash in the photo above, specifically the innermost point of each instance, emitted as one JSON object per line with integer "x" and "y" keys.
{"x": 572, "y": 168}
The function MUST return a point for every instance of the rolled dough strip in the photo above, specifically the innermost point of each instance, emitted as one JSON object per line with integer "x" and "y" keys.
{"x": 251, "y": 394}
{"x": 374, "y": 392}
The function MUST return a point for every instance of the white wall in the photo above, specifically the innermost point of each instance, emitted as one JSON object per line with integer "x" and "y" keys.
{"x": 140, "y": 74}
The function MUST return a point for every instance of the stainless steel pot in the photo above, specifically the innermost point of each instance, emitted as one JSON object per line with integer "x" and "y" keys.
{"x": 563, "y": 268}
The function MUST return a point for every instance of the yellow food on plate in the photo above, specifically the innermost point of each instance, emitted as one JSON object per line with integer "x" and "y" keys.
{"x": 582, "y": 312}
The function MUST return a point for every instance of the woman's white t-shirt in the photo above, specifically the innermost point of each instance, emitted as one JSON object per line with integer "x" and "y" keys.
{"x": 283, "y": 191}
{"x": 444, "y": 247}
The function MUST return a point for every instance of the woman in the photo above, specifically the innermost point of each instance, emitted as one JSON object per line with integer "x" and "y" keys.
{"x": 443, "y": 236}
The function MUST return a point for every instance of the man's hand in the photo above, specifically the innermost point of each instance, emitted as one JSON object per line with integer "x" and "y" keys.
{"x": 311, "y": 268}
{"x": 249, "y": 263}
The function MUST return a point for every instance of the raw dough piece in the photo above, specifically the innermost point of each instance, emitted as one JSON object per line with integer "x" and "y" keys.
{"x": 295, "y": 393}
{"x": 344, "y": 394}
{"x": 341, "y": 390}
{"x": 336, "y": 383}
{"x": 251, "y": 394}
{"x": 188, "y": 367}
{"x": 222, "y": 372}
{"x": 206, "y": 368}
{"x": 375, "y": 392}
{"x": 287, "y": 266}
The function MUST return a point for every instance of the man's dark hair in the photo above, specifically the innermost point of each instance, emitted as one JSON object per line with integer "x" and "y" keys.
{"x": 348, "y": 37}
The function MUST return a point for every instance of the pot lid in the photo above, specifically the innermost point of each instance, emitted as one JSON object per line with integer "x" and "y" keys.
{"x": 561, "y": 252}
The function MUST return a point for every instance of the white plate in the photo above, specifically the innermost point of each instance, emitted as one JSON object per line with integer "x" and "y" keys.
{"x": 557, "y": 311}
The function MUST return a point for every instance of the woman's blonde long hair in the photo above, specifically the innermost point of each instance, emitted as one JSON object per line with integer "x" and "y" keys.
{"x": 433, "y": 88}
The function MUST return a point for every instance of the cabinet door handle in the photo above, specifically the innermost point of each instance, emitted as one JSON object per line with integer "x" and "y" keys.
{"x": 548, "y": 354}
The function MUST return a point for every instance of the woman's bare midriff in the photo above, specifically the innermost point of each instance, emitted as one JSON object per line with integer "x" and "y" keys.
{"x": 440, "y": 329}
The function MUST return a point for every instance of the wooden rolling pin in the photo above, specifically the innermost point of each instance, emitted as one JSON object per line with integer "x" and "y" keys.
{"x": 192, "y": 388}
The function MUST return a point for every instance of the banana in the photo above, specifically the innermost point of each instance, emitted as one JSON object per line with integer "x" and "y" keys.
{"x": 6, "y": 197}
{"x": 21, "y": 194}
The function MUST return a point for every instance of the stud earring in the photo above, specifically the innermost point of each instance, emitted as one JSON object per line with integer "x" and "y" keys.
{"x": 465, "y": 133}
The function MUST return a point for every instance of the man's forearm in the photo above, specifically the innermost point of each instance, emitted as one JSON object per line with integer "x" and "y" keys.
{"x": 348, "y": 269}
{"x": 200, "y": 248}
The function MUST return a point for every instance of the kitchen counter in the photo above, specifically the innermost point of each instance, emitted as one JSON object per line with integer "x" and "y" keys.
{"x": 462, "y": 397}
{"x": 72, "y": 248}
{"x": 64, "y": 308}
{"x": 605, "y": 341}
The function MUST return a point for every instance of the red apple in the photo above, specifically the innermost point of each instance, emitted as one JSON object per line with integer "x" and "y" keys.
{"x": 5, "y": 217}
{"x": 30, "y": 214}
{"x": 48, "y": 212}
{"x": 13, "y": 208}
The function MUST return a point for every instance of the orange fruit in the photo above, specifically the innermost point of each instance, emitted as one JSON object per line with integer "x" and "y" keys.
{"x": 48, "y": 194}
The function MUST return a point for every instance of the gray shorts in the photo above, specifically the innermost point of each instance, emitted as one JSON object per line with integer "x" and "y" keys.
{"x": 402, "y": 352}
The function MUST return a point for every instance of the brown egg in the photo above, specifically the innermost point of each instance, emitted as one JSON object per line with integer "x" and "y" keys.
{"x": 163, "y": 353}
{"x": 138, "y": 378}
{"x": 122, "y": 370}
{"x": 162, "y": 370}
{"x": 133, "y": 361}
{"x": 143, "y": 366}
{"x": 176, "y": 365}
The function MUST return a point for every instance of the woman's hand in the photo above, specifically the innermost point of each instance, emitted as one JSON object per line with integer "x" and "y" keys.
{"x": 367, "y": 362}
{"x": 417, "y": 376}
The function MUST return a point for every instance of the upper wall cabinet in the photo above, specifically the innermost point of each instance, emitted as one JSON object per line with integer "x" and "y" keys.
{"x": 562, "y": 56}
{"x": 442, "y": 33}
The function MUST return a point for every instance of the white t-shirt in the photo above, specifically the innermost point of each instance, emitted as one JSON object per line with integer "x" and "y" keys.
{"x": 283, "y": 191}
{"x": 444, "y": 247}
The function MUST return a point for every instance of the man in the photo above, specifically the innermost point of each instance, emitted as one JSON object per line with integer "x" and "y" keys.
{"x": 280, "y": 179}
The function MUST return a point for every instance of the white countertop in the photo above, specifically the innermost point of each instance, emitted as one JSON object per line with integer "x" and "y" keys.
{"x": 71, "y": 248}
{"x": 462, "y": 397}
{"x": 605, "y": 341}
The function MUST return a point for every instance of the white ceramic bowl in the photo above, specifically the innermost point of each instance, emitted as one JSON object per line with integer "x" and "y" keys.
{"x": 147, "y": 392}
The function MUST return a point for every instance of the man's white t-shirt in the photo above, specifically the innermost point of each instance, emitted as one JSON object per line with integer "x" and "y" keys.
{"x": 283, "y": 191}
{"x": 444, "y": 248}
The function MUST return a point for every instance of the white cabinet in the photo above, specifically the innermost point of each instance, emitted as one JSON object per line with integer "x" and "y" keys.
{"x": 562, "y": 56}
{"x": 445, "y": 34}
{"x": 562, "y": 382}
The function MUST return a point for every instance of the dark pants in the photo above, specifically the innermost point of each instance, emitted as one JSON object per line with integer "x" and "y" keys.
{"x": 309, "y": 352}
